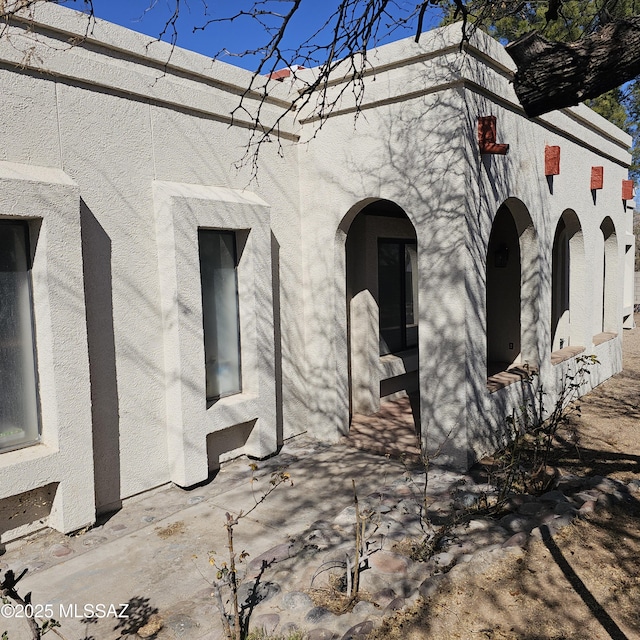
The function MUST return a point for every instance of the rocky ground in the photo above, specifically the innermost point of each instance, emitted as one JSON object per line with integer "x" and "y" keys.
{"x": 561, "y": 565}
{"x": 480, "y": 558}
{"x": 584, "y": 582}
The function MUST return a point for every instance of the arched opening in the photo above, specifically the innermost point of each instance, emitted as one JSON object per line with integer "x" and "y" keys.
{"x": 609, "y": 277}
{"x": 382, "y": 307}
{"x": 567, "y": 285}
{"x": 512, "y": 281}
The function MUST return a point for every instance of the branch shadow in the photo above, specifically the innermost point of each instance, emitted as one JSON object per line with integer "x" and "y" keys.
{"x": 581, "y": 589}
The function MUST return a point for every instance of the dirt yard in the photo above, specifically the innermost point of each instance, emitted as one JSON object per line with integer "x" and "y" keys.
{"x": 583, "y": 584}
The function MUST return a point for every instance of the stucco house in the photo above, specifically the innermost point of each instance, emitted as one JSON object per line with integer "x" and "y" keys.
{"x": 160, "y": 312}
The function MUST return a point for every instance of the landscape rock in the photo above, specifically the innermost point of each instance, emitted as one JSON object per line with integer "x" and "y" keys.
{"x": 359, "y": 631}
{"x": 563, "y": 508}
{"x": 479, "y": 524}
{"x": 443, "y": 560}
{"x": 251, "y": 594}
{"x": 388, "y": 562}
{"x": 346, "y": 518}
{"x": 384, "y": 596}
{"x": 60, "y": 550}
{"x": 321, "y": 634}
{"x": 466, "y": 500}
{"x": 553, "y": 496}
{"x": 319, "y": 614}
{"x": 181, "y": 625}
{"x": 431, "y": 585}
{"x": 532, "y": 508}
{"x": 604, "y": 501}
{"x": 364, "y": 609}
{"x": 514, "y": 522}
{"x": 289, "y": 628}
{"x": 587, "y": 508}
{"x": 395, "y": 605}
{"x": 267, "y": 623}
{"x": 296, "y": 600}
{"x": 519, "y": 539}
{"x": 587, "y": 495}
{"x": 275, "y": 554}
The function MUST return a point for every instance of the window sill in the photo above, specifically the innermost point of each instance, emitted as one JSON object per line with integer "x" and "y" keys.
{"x": 34, "y": 451}
{"x": 605, "y": 336}
{"x": 565, "y": 354}
{"x": 511, "y": 375}
{"x": 232, "y": 399}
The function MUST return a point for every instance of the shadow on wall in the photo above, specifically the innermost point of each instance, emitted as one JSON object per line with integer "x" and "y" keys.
{"x": 381, "y": 302}
{"x": 429, "y": 187}
{"x": 493, "y": 181}
{"x": 98, "y": 289}
{"x": 192, "y": 139}
{"x": 452, "y": 198}
{"x": 226, "y": 444}
{"x": 277, "y": 331}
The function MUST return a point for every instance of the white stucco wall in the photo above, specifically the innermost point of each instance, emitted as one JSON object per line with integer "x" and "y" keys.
{"x": 182, "y": 209}
{"x": 49, "y": 201}
{"x": 116, "y": 118}
{"x": 415, "y": 143}
{"x": 585, "y": 140}
{"x": 139, "y": 141}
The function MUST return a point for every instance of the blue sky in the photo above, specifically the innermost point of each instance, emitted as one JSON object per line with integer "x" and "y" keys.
{"x": 150, "y": 16}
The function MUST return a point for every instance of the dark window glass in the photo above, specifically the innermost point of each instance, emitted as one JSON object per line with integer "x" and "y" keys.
{"x": 220, "y": 312}
{"x": 18, "y": 400}
{"x": 397, "y": 295}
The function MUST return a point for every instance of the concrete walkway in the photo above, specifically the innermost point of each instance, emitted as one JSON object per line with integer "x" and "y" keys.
{"x": 149, "y": 562}
{"x": 154, "y": 553}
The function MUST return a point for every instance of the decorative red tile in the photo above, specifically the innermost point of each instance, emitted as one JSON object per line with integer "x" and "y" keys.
{"x": 551, "y": 160}
{"x": 597, "y": 177}
{"x": 487, "y": 137}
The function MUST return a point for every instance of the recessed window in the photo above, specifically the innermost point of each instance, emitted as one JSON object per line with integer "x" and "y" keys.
{"x": 18, "y": 400}
{"x": 218, "y": 262}
{"x": 397, "y": 295}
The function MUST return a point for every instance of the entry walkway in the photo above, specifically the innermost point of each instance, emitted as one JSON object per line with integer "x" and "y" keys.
{"x": 391, "y": 431}
{"x": 153, "y": 555}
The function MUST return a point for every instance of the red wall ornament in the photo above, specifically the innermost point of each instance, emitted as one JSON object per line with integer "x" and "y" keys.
{"x": 597, "y": 178}
{"x": 551, "y": 160}
{"x": 487, "y": 137}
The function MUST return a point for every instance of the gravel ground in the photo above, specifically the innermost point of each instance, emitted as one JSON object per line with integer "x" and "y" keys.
{"x": 584, "y": 582}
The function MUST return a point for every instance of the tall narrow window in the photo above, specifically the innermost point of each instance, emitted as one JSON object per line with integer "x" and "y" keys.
{"x": 397, "y": 295}
{"x": 220, "y": 312}
{"x": 18, "y": 399}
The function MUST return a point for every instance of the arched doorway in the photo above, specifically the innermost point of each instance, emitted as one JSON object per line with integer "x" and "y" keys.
{"x": 512, "y": 290}
{"x": 382, "y": 307}
{"x": 567, "y": 283}
{"x": 609, "y": 276}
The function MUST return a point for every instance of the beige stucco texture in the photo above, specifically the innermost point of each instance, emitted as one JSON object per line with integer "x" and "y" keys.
{"x": 119, "y": 150}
